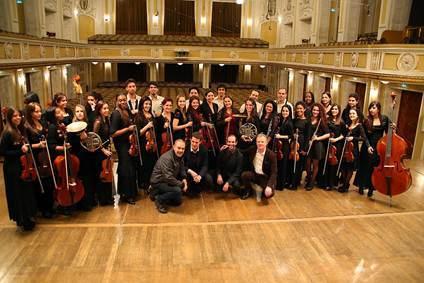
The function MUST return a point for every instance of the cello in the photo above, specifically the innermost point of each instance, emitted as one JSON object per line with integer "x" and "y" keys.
{"x": 391, "y": 177}
{"x": 69, "y": 189}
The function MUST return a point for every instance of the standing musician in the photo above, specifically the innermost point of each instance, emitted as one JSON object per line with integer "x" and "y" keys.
{"x": 352, "y": 103}
{"x": 164, "y": 126}
{"x": 318, "y": 132}
{"x": 229, "y": 168}
{"x": 226, "y": 123}
{"x": 194, "y": 115}
{"x": 192, "y": 91}
{"x": 148, "y": 140}
{"x": 284, "y": 134}
{"x": 209, "y": 110}
{"x": 350, "y": 152}
{"x": 196, "y": 165}
{"x": 376, "y": 125}
{"x": 157, "y": 100}
{"x": 269, "y": 121}
{"x": 20, "y": 195}
{"x": 101, "y": 127}
{"x": 252, "y": 117}
{"x": 61, "y": 101}
{"x": 301, "y": 130}
{"x": 219, "y": 99}
{"x": 87, "y": 160}
{"x": 90, "y": 108}
{"x": 36, "y": 130}
{"x": 262, "y": 174}
{"x": 254, "y": 94}
{"x": 326, "y": 102}
{"x": 282, "y": 100}
{"x": 132, "y": 98}
{"x": 169, "y": 178}
{"x": 337, "y": 128}
{"x": 120, "y": 130}
{"x": 308, "y": 99}
{"x": 181, "y": 124}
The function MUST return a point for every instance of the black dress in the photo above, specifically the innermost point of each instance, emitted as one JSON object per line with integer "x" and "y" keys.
{"x": 45, "y": 200}
{"x": 20, "y": 194}
{"x": 283, "y": 177}
{"x": 127, "y": 183}
{"x": 223, "y": 128}
{"x": 302, "y": 126}
{"x": 180, "y": 134}
{"x": 149, "y": 157}
{"x": 318, "y": 148}
{"x": 367, "y": 162}
{"x": 358, "y": 135}
{"x": 103, "y": 189}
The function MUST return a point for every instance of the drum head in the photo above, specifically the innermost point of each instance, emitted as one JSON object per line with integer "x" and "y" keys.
{"x": 76, "y": 127}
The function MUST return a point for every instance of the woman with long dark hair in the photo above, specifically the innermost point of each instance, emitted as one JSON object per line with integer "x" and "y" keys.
{"x": 308, "y": 99}
{"x": 61, "y": 102}
{"x": 120, "y": 130}
{"x": 20, "y": 195}
{"x": 227, "y": 124}
{"x": 355, "y": 133}
{"x": 284, "y": 134}
{"x": 318, "y": 132}
{"x": 269, "y": 120}
{"x": 352, "y": 103}
{"x": 251, "y": 117}
{"x": 101, "y": 126}
{"x": 375, "y": 126}
{"x": 337, "y": 127}
{"x": 36, "y": 130}
{"x": 326, "y": 102}
{"x": 181, "y": 123}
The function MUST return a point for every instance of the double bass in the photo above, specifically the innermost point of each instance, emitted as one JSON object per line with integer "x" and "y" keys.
{"x": 69, "y": 189}
{"x": 391, "y": 177}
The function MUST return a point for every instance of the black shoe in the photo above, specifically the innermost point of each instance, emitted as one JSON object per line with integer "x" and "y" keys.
{"x": 293, "y": 188}
{"x": 245, "y": 195}
{"x": 130, "y": 201}
{"x": 370, "y": 192}
{"x": 152, "y": 197}
{"x": 361, "y": 190}
{"x": 161, "y": 208}
{"x": 28, "y": 225}
{"x": 47, "y": 215}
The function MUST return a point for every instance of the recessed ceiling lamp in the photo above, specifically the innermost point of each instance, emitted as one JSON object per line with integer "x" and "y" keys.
{"x": 137, "y": 63}
{"x": 262, "y": 66}
{"x": 221, "y": 65}
{"x": 179, "y": 63}
{"x": 94, "y": 63}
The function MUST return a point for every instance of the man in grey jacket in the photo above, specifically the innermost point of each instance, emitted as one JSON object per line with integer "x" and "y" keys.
{"x": 169, "y": 178}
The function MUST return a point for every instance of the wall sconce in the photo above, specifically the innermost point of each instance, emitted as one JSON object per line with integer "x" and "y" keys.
{"x": 249, "y": 21}
{"x": 239, "y": 2}
{"x": 156, "y": 17}
{"x": 106, "y": 18}
{"x": 203, "y": 20}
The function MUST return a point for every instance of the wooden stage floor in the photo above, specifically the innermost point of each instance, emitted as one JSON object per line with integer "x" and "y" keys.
{"x": 299, "y": 236}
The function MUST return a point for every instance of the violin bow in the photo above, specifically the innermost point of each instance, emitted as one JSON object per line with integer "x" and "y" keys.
{"x": 295, "y": 144}
{"x": 341, "y": 156}
{"x": 50, "y": 161}
{"x": 35, "y": 164}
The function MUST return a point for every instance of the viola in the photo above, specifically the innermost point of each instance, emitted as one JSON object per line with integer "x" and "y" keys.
{"x": 69, "y": 189}
{"x": 106, "y": 175}
{"x": 28, "y": 173}
{"x": 348, "y": 155}
{"x": 151, "y": 144}
{"x": 166, "y": 137}
{"x": 133, "y": 151}
{"x": 391, "y": 177}
{"x": 294, "y": 148}
{"x": 332, "y": 155}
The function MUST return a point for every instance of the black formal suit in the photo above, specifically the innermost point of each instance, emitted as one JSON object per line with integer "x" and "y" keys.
{"x": 269, "y": 168}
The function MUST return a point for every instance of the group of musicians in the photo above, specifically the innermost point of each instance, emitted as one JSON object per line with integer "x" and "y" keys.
{"x": 204, "y": 144}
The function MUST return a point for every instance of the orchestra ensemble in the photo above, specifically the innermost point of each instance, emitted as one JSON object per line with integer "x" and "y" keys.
{"x": 58, "y": 160}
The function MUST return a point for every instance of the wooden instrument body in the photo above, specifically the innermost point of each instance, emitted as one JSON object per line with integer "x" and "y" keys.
{"x": 70, "y": 189}
{"x": 391, "y": 167}
{"x": 294, "y": 151}
{"x": 28, "y": 171}
{"x": 332, "y": 155}
{"x": 106, "y": 175}
{"x": 348, "y": 155}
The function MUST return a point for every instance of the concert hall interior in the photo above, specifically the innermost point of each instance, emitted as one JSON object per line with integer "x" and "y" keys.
{"x": 313, "y": 140}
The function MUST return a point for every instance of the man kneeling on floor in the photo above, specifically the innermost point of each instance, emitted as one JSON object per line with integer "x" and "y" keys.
{"x": 169, "y": 178}
{"x": 262, "y": 174}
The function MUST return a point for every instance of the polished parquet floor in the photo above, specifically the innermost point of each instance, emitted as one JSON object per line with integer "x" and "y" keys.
{"x": 299, "y": 236}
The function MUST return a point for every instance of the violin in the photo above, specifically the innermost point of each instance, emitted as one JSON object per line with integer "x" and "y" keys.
{"x": 348, "y": 155}
{"x": 135, "y": 148}
{"x": 28, "y": 173}
{"x": 332, "y": 155}
{"x": 69, "y": 189}
{"x": 294, "y": 148}
{"x": 106, "y": 175}
{"x": 278, "y": 148}
{"x": 391, "y": 177}
{"x": 151, "y": 144}
{"x": 167, "y": 139}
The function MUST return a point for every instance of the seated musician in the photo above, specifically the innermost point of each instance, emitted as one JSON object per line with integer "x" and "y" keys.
{"x": 262, "y": 174}
{"x": 229, "y": 167}
{"x": 169, "y": 178}
{"x": 196, "y": 164}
